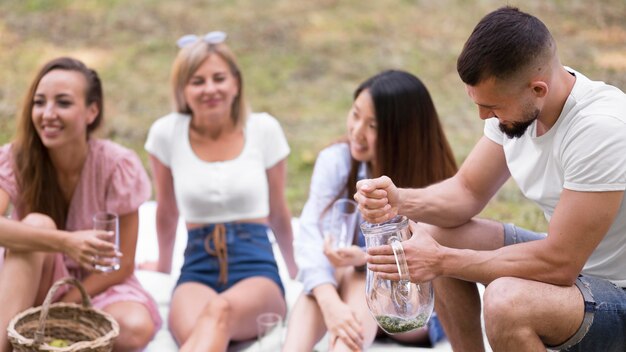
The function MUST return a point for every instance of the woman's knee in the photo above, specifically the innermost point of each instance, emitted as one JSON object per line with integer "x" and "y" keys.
{"x": 217, "y": 309}
{"x": 39, "y": 220}
{"x": 217, "y": 312}
{"x": 136, "y": 325}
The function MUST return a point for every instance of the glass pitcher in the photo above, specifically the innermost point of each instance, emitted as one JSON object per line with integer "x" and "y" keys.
{"x": 397, "y": 306}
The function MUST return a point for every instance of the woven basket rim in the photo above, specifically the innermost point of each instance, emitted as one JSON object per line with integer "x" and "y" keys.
{"x": 100, "y": 341}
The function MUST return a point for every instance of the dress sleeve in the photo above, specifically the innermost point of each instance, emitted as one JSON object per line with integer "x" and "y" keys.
{"x": 129, "y": 185}
{"x": 329, "y": 176}
{"x": 275, "y": 146}
{"x": 158, "y": 142}
{"x": 7, "y": 174}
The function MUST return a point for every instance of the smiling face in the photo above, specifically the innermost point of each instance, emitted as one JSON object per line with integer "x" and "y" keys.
{"x": 59, "y": 111}
{"x": 362, "y": 128}
{"x": 514, "y": 108}
{"x": 211, "y": 90}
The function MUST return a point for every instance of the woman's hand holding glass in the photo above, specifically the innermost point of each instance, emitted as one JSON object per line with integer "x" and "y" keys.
{"x": 343, "y": 217}
{"x": 89, "y": 247}
{"x": 348, "y": 256}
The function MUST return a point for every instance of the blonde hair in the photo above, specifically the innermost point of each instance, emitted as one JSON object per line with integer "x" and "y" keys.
{"x": 187, "y": 63}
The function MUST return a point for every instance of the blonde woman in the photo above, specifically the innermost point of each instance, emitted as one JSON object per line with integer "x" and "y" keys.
{"x": 223, "y": 170}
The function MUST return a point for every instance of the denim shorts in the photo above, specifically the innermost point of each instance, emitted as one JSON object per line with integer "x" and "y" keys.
{"x": 435, "y": 330}
{"x": 249, "y": 254}
{"x": 604, "y": 324}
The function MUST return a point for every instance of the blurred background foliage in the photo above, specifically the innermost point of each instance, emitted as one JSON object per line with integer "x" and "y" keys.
{"x": 301, "y": 61}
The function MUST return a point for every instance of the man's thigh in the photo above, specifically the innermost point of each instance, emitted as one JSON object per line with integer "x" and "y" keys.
{"x": 605, "y": 317}
{"x": 477, "y": 234}
{"x": 553, "y": 312}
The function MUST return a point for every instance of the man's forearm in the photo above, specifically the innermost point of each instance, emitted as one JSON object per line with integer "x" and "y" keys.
{"x": 444, "y": 204}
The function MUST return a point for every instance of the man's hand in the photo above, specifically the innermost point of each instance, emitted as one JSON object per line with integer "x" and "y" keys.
{"x": 422, "y": 255}
{"x": 378, "y": 198}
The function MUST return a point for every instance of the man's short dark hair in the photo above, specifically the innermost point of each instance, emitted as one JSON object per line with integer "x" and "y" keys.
{"x": 504, "y": 42}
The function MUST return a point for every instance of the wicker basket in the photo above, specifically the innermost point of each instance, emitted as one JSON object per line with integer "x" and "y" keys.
{"x": 84, "y": 328}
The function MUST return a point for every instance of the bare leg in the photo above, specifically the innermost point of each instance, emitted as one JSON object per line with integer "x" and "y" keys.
{"x": 188, "y": 301}
{"x": 305, "y": 326}
{"x": 25, "y": 278}
{"x": 231, "y": 315}
{"x": 136, "y": 326}
{"x": 458, "y": 307}
{"x": 523, "y": 315}
{"x": 212, "y": 329}
{"x": 351, "y": 290}
{"x": 457, "y": 302}
{"x": 19, "y": 285}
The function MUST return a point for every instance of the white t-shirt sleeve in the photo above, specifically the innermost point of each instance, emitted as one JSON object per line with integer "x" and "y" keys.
{"x": 594, "y": 156}
{"x": 275, "y": 146}
{"x": 492, "y": 131}
{"x": 159, "y": 140}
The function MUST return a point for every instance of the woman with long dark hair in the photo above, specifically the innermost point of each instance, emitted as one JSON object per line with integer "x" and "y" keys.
{"x": 393, "y": 129}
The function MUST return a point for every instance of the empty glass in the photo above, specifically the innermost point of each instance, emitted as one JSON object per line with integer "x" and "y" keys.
{"x": 342, "y": 223}
{"x": 397, "y": 306}
{"x": 108, "y": 221}
{"x": 270, "y": 332}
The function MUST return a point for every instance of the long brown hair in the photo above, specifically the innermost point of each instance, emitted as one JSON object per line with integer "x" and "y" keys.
{"x": 411, "y": 147}
{"x": 36, "y": 176}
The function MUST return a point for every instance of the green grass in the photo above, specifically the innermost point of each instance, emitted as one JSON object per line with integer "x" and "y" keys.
{"x": 301, "y": 61}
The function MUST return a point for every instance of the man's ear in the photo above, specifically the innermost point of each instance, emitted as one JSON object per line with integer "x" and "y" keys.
{"x": 540, "y": 88}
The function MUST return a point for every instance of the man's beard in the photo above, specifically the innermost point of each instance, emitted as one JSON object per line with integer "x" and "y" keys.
{"x": 517, "y": 129}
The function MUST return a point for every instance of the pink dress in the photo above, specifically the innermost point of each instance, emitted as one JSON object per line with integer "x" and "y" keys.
{"x": 112, "y": 179}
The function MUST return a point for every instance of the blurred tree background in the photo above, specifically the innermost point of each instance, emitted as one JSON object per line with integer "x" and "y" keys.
{"x": 301, "y": 61}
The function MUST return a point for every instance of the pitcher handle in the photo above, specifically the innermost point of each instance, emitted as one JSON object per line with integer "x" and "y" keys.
{"x": 398, "y": 253}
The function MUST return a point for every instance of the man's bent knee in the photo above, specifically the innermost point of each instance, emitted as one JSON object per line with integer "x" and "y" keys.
{"x": 503, "y": 298}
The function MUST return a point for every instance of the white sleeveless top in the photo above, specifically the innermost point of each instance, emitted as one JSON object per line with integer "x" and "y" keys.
{"x": 223, "y": 191}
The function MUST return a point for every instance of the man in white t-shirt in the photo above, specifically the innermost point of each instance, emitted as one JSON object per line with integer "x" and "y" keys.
{"x": 562, "y": 137}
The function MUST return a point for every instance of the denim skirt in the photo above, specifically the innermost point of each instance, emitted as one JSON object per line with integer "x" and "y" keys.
{"x": 249, "y": 254}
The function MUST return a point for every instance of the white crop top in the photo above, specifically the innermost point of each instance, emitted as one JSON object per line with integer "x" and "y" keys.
{"x": 223, "y": 191}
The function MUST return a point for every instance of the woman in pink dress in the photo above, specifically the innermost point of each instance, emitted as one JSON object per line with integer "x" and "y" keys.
{"x": 57, "y": 176}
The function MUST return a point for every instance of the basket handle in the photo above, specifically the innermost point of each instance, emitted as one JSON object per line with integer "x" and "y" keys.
{"x": 39, "y": 334}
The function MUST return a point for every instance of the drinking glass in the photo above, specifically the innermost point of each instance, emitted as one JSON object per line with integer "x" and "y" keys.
{"x": 342, "y": 223}
{"x": 270, "y": 332}
{"x": 110, "y": 222}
